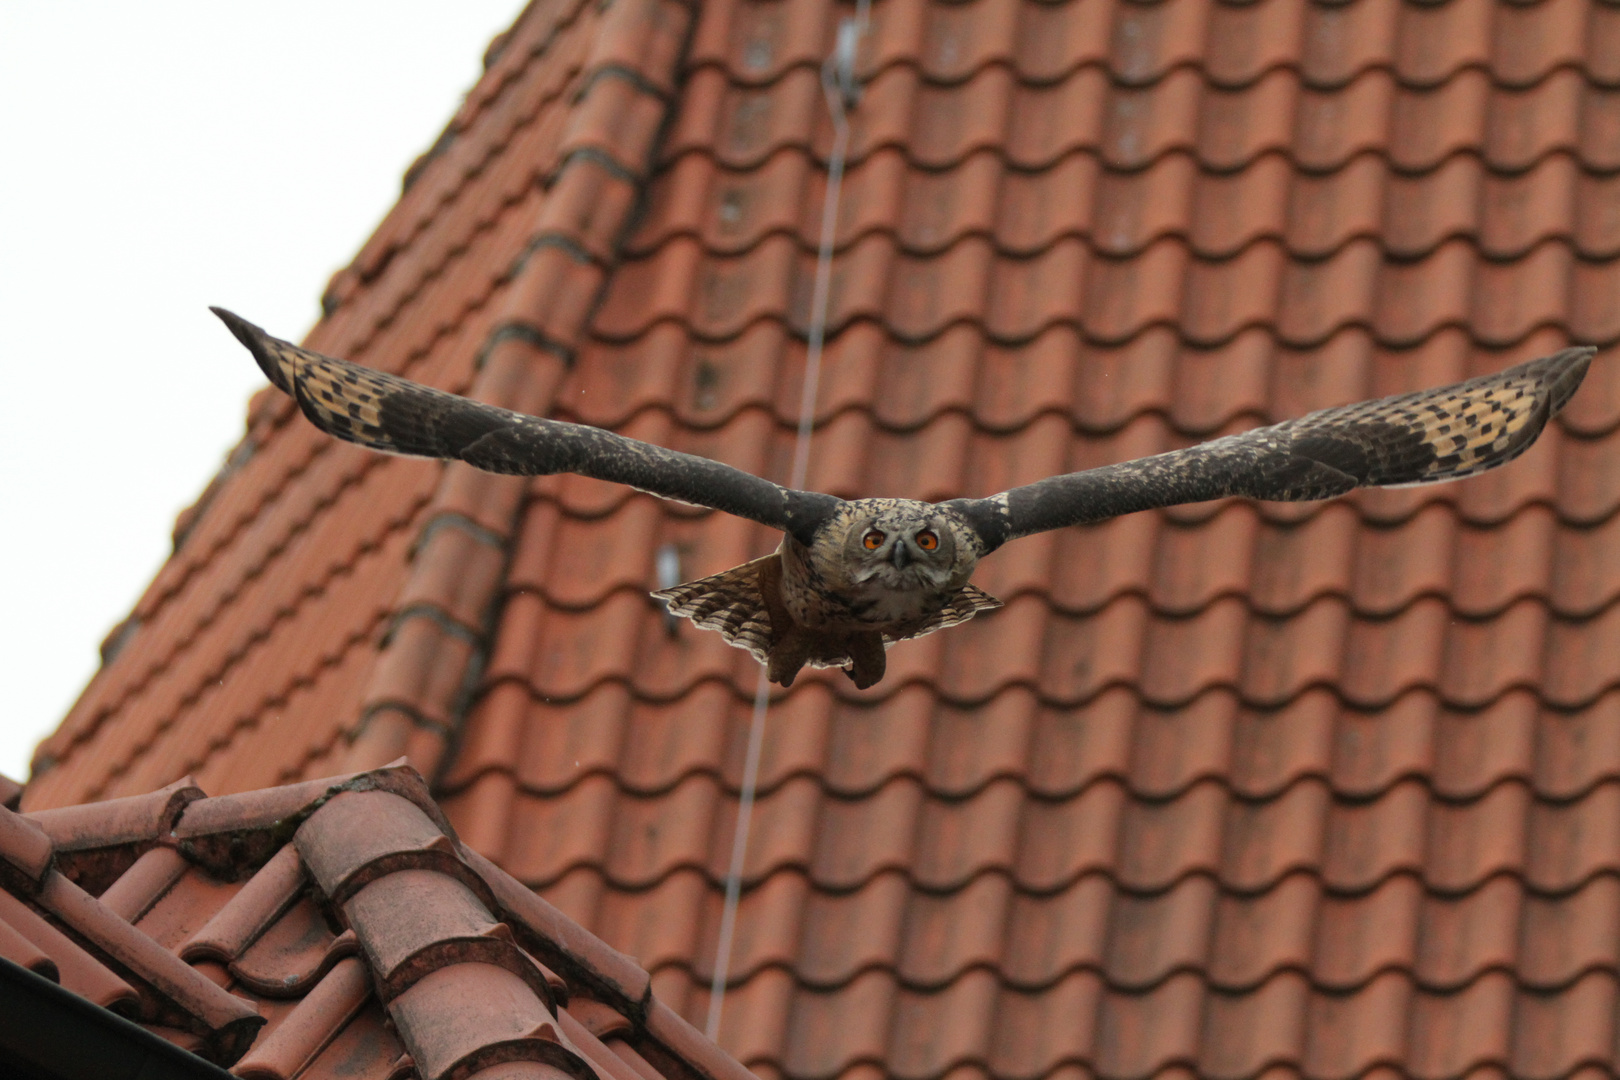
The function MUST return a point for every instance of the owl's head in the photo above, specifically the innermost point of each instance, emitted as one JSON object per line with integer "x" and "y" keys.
{"x": 904, "y": 545}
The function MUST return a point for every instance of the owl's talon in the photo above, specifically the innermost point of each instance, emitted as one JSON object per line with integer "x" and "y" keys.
{"x": 866, "y": 659}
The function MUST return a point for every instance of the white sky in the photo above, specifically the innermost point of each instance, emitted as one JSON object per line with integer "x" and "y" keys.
{"x": 157, "y": 158}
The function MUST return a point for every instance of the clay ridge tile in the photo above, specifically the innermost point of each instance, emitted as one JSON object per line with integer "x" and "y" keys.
{"x": 565, "y": 945}
{"x": 26, "y": 848}
{"x": 422, "y": 912}
{"x": 609, "y": 130}
{"x": 228, "y": 1023}
{"x": 11, "y": 793}
{"x": 408, "y": 904}
{"x": 228, "y": 831}
{"x": 135, "y": 819}
{"x": 343, "y": 860}
{"x": 459, "y": 989}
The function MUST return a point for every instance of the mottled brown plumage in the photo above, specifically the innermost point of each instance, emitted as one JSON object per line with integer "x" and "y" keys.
{"x": 837, "y": 604}
{"x": 853, "y": 577}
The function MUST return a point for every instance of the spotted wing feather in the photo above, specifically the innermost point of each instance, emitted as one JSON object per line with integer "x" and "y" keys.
{"x": 393, "y": 414}
{"x": 729, "y": 602}
{"x": 1422, "y": 438}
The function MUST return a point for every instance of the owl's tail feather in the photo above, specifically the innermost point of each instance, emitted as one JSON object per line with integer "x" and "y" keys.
{"x": 968, "y": 601}
{"x": 730, "y": 602}
{"x": 735, "y": 603}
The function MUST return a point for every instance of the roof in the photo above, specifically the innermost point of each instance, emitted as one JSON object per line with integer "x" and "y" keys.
{"x": 1323, "y": 789}
{"x": 332, "y": 928}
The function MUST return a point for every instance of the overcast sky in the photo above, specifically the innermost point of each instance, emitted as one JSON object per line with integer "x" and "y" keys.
{"x": 161, "y": 157}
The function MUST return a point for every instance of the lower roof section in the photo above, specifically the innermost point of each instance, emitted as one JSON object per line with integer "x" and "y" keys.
{"x": 335, "y": 928}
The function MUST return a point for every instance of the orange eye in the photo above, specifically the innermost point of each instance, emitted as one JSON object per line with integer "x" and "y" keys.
{"x": 873, "y": 540}
{"x": 927, "y": 540}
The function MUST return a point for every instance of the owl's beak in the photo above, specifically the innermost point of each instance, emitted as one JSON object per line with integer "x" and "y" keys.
{"x": 901, "y": 555}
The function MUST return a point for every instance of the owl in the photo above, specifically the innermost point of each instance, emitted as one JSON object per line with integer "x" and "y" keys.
{"x": 853, "y": 577}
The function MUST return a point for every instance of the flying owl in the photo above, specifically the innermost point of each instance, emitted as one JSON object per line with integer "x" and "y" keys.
{"x": 852, "y": 577}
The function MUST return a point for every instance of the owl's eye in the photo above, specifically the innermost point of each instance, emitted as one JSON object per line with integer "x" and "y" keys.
{"x": 927, "y": 540}
{"x": 873, "y": 540}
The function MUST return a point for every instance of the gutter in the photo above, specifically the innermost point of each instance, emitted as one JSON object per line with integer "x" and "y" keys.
{"x": 50, "y": 1033}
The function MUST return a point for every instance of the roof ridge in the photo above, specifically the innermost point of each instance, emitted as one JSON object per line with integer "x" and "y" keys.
{"x": 428, "y": 667}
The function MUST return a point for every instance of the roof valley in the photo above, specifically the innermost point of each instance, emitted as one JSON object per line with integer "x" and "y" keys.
{"x": 445, "y": 617}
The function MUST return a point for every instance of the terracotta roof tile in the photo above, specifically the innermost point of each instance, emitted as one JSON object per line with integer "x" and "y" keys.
{"x": 1348, "y": 1034}
{"x": 1530, "y": 43}
{"x": 1042, "y": 1030}
{"x": 1574, "y": 749}
{"x": 288, "y": 1048}
{"x": 1561, "y": 1031}
{"x": 1340, "y": 40}
{"x": 1460, "y": 938}
{"x": 1272, "y": 748}
{"x": 1330, "y": 128}
{"x": 1567, "y": 844}
{"x": 1155, "y": 935}
{"x": 1565, "y": 937}
{"x": 1256, "y": 935}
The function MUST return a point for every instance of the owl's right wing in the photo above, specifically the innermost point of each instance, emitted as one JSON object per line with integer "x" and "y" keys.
{"x": 1421, "y": 438}
{"x": 389, "y": 413}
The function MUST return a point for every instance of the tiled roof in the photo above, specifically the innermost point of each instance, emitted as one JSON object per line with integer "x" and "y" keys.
{"x": 332, "y": 928}
{"x": 1326, "y": 790}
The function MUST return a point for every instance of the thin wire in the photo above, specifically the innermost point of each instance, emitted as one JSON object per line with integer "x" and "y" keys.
{"x": 838, "y": 83}
{"x": 739, "y": 850}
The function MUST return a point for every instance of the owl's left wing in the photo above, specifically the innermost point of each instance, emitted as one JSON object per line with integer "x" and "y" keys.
{"x": 392, "y": 414}
{"x": 1422, "y": 438}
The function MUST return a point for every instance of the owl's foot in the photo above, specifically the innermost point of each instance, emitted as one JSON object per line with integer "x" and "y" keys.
{"x": 866, "y": 659}
{"x": 785, "y": 663}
